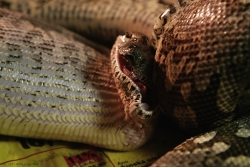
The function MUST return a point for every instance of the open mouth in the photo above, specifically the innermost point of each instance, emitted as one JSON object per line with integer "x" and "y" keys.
{"x": 126, "y": 68}
{"x": 134, "y": 59}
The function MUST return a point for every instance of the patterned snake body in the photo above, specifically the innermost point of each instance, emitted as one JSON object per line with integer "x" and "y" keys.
{"x": 55, "y": 89}
{"x": 51, "y": 85}
{"x": 203, "y": 55}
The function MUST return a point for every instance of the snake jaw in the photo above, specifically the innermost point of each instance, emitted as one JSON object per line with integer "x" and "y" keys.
{"x": 134, "y": 92}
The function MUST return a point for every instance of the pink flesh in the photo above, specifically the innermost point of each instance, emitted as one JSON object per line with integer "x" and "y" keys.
{"x": 126, "y": 69}
{"x": 143, "y": 89}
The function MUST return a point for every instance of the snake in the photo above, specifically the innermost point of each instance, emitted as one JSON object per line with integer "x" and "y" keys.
{"x": 188, "y": 60}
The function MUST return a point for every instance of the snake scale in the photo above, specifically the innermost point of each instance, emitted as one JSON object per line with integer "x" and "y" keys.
{"x": 54, "y": 86}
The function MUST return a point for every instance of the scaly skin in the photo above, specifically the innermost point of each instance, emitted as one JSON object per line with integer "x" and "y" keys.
{"x": 54, "y": 87}
{"x": 181, "y": 96}
{"x": 98, "y": 19}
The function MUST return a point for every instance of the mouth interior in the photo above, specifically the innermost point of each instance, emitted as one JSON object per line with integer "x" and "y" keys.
{"x": 126, "y": 68}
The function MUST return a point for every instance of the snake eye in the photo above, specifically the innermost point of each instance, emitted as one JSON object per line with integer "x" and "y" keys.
{"x": 128, "y": 35}
{"x": 135, "y": 39}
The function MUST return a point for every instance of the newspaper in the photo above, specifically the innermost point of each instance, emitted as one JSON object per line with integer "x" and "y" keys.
{"x": 20, "y": 152}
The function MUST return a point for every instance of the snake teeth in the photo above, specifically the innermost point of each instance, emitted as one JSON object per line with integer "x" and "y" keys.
{"x": 197, "y": 90}
{"x": 136, "y": 93}
{"x": 54, "y": 87}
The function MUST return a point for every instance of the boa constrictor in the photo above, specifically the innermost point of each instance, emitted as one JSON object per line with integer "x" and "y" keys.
{"x": 53, "y": 86}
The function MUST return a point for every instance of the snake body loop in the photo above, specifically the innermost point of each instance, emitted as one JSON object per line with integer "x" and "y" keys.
{"x": 54, "y": 86}
{"x": 202, "y": 57}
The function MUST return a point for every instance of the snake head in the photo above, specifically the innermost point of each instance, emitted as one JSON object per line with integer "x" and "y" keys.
{"x": 138, "y": 57}
{"x": 132, "y": 59}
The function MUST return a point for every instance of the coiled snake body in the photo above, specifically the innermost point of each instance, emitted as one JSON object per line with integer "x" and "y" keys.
{"x": 55, "y": 87}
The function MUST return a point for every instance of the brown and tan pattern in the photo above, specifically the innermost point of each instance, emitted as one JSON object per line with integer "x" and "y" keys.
{"x": 203, "y": 58}
{"x": 52, "y": 82}
{"x": 55, "y": 87}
